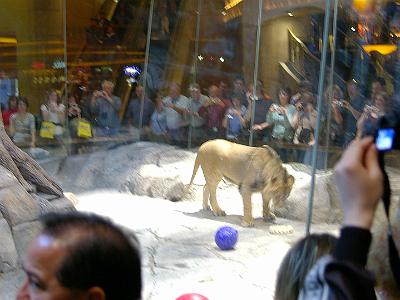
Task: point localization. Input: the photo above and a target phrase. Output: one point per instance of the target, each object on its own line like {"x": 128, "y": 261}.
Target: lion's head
{"x": 279, "y": 187}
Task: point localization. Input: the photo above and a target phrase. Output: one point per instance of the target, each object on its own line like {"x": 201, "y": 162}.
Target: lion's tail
{"x": 195, "y": 169}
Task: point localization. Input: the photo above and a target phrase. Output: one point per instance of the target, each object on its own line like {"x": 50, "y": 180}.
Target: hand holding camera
{"x": 299, "y": 106}
{"x": 101, "y": 94}
{"x": 346, "y": 104}
{"x": 338, "y": 103}
{"x": 360, "y": 182}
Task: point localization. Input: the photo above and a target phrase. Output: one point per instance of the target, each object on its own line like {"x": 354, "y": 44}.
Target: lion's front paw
{"x": 206, "y": 208}
{"x": 219, "y": 213}
{"x": 248, "y": 223}
{"x": 270, "y": 218}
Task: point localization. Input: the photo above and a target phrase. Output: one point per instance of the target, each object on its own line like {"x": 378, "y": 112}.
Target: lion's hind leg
{"x": 212, "y": 184}
{"x": 206, "y": 197}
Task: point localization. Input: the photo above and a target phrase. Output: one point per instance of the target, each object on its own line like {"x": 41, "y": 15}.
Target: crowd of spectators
{"x": 286, "y": 121}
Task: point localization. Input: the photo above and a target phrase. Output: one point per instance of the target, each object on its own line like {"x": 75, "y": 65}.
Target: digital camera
{"x": 387, "y": 132}
{"x": 338, "y": 103}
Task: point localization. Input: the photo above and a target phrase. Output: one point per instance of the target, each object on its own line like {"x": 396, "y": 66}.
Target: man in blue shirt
{"x": 5, "y": 90}
{"x": 134, "y": 108}
{"x": 105, "y": 107}
{"x": 351, "y": 111}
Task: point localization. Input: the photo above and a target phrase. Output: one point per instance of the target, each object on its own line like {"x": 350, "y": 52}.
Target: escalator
{"x": 352, "y": 61}
{"x": 305, "y": 65}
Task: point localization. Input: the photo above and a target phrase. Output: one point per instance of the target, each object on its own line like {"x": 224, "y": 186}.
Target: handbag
{"x": 47, "y": 130}
{"x": 84, "y": 129}
{"x": 305, "y": 136}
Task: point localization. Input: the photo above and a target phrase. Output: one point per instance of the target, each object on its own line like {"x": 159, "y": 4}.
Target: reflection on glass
{"x": 190, "y": 66}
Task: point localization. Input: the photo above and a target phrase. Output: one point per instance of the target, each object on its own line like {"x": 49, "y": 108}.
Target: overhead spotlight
{"x": 221, "y": 59}
{"x": 132, "y": 71}
{"x": 352, "y": 28}
{"x": 223, "y": 13}
{"x": 290, "y": 14}
{"x": 200, "y": 57}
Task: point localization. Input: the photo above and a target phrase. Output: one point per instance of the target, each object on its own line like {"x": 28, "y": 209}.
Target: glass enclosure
{"x": 96, "y": 73}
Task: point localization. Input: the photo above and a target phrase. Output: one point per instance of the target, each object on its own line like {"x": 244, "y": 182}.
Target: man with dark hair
{"x": 239, "y": 91}
{"x": 81, "y": 256}
{"x": 134, "y": 108}
{"x": 377, "y": 85}
{"x": 351, "y": 111}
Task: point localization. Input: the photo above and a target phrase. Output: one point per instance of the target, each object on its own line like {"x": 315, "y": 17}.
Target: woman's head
{"x": 259, "y": 88}
{"x": 284, "y": 95}
{"x": 337, "y": 93}
{"x": 381, "y": 100}
{"x": 12, "y": 102}
{"x": 23, "y": 104}
{"x": 236, "y": 101}
{"x": 298, "y": 261}
{"x": 159, "y": 100}
{"x": 71, "y": 100}
{"x": 52, "y": 97}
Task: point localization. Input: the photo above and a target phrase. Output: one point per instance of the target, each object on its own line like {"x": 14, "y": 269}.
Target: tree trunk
{"x": 24, "y": 167}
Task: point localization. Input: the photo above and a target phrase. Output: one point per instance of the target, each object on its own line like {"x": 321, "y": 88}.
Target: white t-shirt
{"x": 54, "y": 117}
{"x": 174, "y": 119}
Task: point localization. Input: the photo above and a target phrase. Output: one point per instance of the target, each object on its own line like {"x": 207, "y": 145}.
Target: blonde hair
{"x": 298, "y": 261}
{"x": 107, "y": 82}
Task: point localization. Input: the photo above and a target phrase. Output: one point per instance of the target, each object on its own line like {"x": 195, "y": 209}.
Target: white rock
{"x": 8, "y": 252}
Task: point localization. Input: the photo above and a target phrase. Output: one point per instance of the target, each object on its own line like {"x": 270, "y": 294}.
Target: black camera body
{"x": 385, "y": 130}
{"x": 387, "y": 136}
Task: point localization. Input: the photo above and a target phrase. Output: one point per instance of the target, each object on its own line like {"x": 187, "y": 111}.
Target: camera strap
{"x": 393, "y": 253}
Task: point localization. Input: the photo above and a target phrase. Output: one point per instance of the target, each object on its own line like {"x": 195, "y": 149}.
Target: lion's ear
{"x": 290, "y": 180}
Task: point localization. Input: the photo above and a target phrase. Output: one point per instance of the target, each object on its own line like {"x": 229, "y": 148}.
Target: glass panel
{"x": 182, "y": 72}
{"x": 33, "y": 67}
{"x": 222, "y": 70}
{"x": 366, "y": 59}
{"x": 106, "y": 53}
{"x": 290, "y": 60}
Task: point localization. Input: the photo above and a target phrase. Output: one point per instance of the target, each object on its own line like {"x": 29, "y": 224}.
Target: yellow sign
{"x": 84, "y": 129}
{"x": 47, "y": 130}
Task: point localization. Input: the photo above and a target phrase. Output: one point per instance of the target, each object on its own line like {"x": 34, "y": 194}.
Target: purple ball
{"x": 226, "y": 237}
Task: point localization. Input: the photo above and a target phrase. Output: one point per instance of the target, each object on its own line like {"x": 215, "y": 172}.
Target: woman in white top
{"x": 22, "y": 125}
{"x": 53, "y": 111}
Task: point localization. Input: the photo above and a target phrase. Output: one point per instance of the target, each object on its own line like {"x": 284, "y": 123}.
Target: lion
{"x": 253, "y": 169}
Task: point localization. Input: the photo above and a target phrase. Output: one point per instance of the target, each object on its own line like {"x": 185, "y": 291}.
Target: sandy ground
{"x": 179, "y": 252}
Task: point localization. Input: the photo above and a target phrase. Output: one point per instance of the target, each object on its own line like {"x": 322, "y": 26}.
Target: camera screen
{"x": 385, "y": 138}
